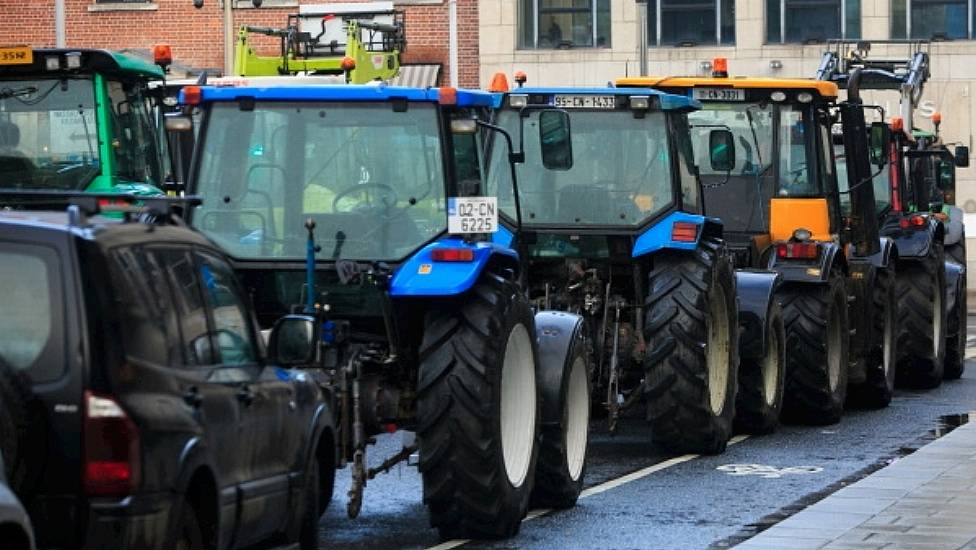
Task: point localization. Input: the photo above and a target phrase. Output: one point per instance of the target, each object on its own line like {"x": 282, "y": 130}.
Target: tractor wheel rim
{"x": 518, "y": 405}
{"x": 770, "y": 369}
{"x": 577, "y": 418}
{"x": 834, "y": 341}
{"x": 717, "y": 353}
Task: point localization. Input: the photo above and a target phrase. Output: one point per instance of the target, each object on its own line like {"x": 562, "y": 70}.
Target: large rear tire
{"x": 478, "y": 411}
{"x": 691, "y": 330}
{"x": 955, "y": 358}
{"x": 879, "y": 384}
{"x": 562, "y": 453}
{"x": 817, "y": 348}
{"x": 759, "y": 401}
{"x": 921, "y": 310}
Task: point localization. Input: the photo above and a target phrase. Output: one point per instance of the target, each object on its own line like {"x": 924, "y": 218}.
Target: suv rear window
{"x": 32, "y": 303}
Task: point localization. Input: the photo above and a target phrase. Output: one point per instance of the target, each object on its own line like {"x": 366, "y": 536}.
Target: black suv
{"x": 155, "y": 420}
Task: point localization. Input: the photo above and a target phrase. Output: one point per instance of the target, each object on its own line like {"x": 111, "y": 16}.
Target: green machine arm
{"x": 360, "y": 62}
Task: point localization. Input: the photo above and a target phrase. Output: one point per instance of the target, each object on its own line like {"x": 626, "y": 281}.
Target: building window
{"x": 812, "y": 21}
{"x": 563, "y": 24}
{"x": 690, "y": 22}
{"x": 932, "y": 19}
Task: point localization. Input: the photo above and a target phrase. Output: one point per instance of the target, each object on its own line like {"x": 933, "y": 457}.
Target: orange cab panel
{"x": 788, "y": 215}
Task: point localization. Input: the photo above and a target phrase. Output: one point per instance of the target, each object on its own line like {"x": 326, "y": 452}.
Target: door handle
{"x": 245, "y": 395}
{"x": 192, "y": 397}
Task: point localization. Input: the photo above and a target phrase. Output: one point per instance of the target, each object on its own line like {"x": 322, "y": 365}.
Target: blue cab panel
{"x": 350, "y": 92}
{"x": 421, "y": 275}
{"x": 503, "y": 237}
{"x": 658, "y": 236}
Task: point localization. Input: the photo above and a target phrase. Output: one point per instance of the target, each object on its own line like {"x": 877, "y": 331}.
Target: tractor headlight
{"x": 517, "y": 101}
{"x": 804, "y": 97}
{"x": 778, "y": 96}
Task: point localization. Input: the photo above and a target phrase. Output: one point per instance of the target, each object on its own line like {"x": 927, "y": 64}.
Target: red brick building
{"x": 196, "y": 35}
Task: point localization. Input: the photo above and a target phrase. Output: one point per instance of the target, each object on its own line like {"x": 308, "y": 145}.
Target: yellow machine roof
{"x": 824, "y": 88}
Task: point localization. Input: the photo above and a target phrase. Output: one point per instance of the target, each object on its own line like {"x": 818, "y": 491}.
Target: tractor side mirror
{"x": 721, "y": 147}
{"x": 555, "y": 140}
{"x": 878, "y": 143}
{"x": 947, "y": 176}
{"x": 294, "y": 341}
{"x": 961, "y": 156}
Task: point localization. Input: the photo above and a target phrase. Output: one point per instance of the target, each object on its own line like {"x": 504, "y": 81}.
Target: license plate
{"x": 586, "y": 101}
{"x": 472, "y": 215}
{"x": 719, "y": 94}
{"x": 16, "y": 55}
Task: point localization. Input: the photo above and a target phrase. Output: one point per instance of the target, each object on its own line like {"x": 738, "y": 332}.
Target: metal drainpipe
{"x": 453, "y": 38}
{"x": 642, "y": 36}
{"x": 60, "y": 35}
{"x": 228, "y": 37}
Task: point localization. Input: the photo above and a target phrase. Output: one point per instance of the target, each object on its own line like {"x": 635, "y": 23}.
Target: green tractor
{"x": 79, "y": 120}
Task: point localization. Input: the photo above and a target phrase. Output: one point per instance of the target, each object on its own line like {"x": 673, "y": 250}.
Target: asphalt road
{"x": 641, "y": 497}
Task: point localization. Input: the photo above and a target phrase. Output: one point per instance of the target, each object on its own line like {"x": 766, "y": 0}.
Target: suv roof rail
{"x": 81, "y": 205}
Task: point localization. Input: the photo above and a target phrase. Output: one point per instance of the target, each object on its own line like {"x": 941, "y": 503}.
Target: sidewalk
{"x": 925, "y": 500}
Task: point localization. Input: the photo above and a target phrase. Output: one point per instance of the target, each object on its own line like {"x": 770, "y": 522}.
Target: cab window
{"x": 796, "y": 142}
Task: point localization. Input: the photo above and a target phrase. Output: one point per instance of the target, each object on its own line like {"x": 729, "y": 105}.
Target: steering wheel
{"x": 359, "y": 188}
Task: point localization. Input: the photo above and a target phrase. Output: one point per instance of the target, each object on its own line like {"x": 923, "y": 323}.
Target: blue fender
{"x": 954, "y": 274}
{"x": 556, "y": 335}
{"x": 658, "y": 236}
{"x": 755, "y": 291}
{"x": 422, "y": 276}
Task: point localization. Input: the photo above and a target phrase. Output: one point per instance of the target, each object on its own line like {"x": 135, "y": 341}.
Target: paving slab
{"x": 924, "y": 500}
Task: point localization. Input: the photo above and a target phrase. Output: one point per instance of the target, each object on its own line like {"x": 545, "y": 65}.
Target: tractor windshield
{"x": 48, "y": 137}
{"x": 370, "y": 177}
{"x": 880, "y": 182}
{"x": 622, "y": 173}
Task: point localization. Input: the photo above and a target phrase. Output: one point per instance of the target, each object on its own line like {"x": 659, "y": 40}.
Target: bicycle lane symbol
{"x": 767, "y": 472}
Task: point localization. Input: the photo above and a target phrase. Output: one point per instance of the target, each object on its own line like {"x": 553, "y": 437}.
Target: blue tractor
{"x": 359, "y": 210}
{"x": 617, "y": 235}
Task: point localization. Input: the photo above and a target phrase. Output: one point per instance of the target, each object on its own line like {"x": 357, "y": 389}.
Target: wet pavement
{"x": 641, "y": 497}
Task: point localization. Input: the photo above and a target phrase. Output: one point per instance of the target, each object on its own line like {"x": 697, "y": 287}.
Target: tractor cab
{"x": 78, "y": 120}
{"x": 774, "y": 135}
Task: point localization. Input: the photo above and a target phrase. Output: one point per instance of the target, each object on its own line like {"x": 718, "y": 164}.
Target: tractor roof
{"x": 101, "y": 61}
{"x": 823, "y": 88}
{"x": 669, "y": 102}
{"x": 350, "y": 92}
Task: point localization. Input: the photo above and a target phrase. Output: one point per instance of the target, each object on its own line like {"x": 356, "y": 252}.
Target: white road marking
{"x": 766, "y": 472}
{"x": 597, "y": 489}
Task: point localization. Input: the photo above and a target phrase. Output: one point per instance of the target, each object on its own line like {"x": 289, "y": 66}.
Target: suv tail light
{"x": 112, "y": 456}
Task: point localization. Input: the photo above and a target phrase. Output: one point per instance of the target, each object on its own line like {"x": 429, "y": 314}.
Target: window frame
{"x": 842, "y": 6}
{"x": 718, "y": 26}
{"x": 907, "y": 23}
{"x": 537, "y": 11}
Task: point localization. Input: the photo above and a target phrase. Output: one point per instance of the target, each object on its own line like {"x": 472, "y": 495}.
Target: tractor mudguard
{"x": 914, "y": 243}
{"x": 421, "y": 275}
{"x": 754, "y": 290}
{"x": 807, "y": 272}
{"x": 883, "y": 258}
{"x": 555, "y": 332}
{"x": 661, "y": 234}
{"x": 953, "y": 272}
